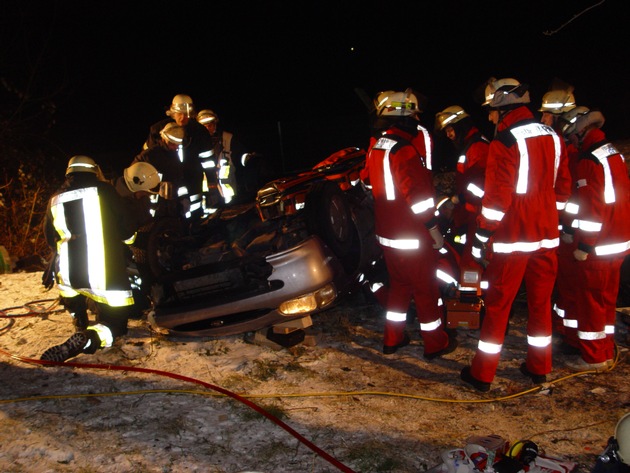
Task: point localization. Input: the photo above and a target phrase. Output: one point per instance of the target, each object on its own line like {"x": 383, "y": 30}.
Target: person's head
{"x": 447, "y": 119}
{"x": 82, "y": 164}
{"x": 181, "y": 110}
{"x": 503, "y": 95}
{"x": 554, "y": 104}
{"x": 142, "y": 177}
{"x": 578, "y": 121}
{"x": 172, "y": 135}
{"x": 208, "y": 119}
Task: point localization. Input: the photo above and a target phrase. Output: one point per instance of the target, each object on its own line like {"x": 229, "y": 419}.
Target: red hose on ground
{"x": 219, "y": 389}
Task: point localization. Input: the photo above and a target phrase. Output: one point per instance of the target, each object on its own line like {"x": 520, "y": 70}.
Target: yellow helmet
{"x": 557, "y": 102}
{"x": 449, "y": 116}
{"x": 141, "y": 176}
{"x": 181, "y": 104}
{"x": 207, "y": 116}
{"x": 173, "y": 133}
{"x": 82, "y": 164}
{"x": 397, "y": 104}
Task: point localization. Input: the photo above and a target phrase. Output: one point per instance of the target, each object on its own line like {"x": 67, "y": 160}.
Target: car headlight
{"x": 309, "y": 302}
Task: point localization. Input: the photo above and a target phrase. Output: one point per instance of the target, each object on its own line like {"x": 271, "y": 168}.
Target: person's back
{"x": 527, "y": 181}
{"x": 521, "y": 175}
{"x": 85, "y": 225}
{"x": 398, "y": 172}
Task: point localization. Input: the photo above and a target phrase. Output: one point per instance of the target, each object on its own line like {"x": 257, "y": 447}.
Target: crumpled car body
{"x": 304, "y": 242}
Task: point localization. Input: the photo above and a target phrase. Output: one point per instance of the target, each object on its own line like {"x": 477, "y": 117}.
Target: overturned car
{"x": 302, "y": 244}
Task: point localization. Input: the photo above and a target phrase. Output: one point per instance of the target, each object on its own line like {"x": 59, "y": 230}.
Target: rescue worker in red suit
{"x": 398, "y": 172}
{"x": 472, "y": 147}
{"x": 527, "y": 179}
{"x": 554, "y": 103}
{"x": 600, "y": 233}
{"x": 85, "y": 225}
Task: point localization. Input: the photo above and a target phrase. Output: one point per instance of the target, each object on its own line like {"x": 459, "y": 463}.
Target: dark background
{"x": 284, "y": 76}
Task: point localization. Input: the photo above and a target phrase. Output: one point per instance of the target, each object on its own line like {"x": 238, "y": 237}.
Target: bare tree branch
{"x": 552, "y": 32}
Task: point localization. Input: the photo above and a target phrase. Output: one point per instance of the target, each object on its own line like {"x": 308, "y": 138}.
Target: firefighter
{"x": 229, "y": 163}
{"x": 555, "y": 103}
{"x": 398, "y": 172}
{"x": 85, "y": 225}
{"x": 527, "y": 179}
{"x": 195, "y": 144}
{"x": 472, "y": 147}
{"x": 138, "y": 183}
{"x": 164, "y": 156}
{"x": 600, "y": 236}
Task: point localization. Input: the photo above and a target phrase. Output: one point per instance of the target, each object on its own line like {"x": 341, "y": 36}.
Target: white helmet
{"x": 622, "y": 434}
{"x": 141, "y": 176}
{"x": 397, "y": 104}
{"x": 82, "y": 164}
{"x": 181, "y": 104}
{"x": 207, "y": 116}
{"x": 503, "y": 93}
{"x": 173, "y": 133}
{"x": 577, "y": 119}
{"x": 449, "y": 116}
{"x": 557, "y": 102}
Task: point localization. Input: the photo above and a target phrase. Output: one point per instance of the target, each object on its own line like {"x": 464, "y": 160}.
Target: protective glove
{"x": 567, "y": 238}
{"x": 48, "y": 278}
{"x": 479, "y": 250}
{"x": 437, "y": 236}
{"x": 580, "y": 255}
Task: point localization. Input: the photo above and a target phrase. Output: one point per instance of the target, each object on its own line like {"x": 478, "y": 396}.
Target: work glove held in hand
{"x": 437, "y": 236}
{"x": 567, "y": 238}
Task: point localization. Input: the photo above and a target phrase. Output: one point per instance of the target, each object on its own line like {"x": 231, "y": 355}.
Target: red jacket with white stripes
{"x": 398, "y": 171}
{"x": 471, "y": 170}
{"x": 603, "y": 198}
{"x": 527, "y": 180}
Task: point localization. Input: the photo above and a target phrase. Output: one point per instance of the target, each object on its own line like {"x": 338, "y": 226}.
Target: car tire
{"x": 328, "y": 216}
{"x": 152, "y": 250}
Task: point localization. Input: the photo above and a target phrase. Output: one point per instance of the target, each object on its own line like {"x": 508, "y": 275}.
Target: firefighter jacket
{"x": 196, "y": 143}
{"x": 398, "y": 171}
{"x": 527, "y": 182}
{"x": 86, "y": 223}
{"x": 471, "y": 173}
{"x": 602, "y": 198}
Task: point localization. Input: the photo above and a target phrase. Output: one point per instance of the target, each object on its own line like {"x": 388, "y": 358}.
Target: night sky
{"x": 283, "y": 76}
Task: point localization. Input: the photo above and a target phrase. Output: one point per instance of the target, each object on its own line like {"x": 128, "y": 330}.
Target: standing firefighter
{"x": 599, "y": 235}
{"x": 527, "y": 180}
{"x": 398, "y": 171}
{"x": 86, "y": 224}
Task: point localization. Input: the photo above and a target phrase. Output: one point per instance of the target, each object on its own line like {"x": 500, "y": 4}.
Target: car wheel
{"x": 154, "y": 250}
{"x": 328, "y": 215}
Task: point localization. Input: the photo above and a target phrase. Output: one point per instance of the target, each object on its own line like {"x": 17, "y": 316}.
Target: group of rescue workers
{"x": 187, "y": 160}
{"x": 542, "y": 204}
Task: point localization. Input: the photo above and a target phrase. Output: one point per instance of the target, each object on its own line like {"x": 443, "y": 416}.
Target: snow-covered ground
{"x": 152, "y": 404}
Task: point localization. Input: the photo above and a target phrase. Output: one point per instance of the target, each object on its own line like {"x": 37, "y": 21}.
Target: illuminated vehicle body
{"x": 302, "y": 244}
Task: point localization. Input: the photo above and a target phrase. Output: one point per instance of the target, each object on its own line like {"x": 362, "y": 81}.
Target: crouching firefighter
{"x": 86, "y": 224}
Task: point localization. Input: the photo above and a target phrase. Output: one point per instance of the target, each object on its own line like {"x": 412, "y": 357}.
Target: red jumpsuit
{"x": 602, "y": 231}
{"x": 564, "y": 320}
{"x": 527, "y": 177}
{"x": 469, "y": 182}
{"x": 398, "y": 170}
